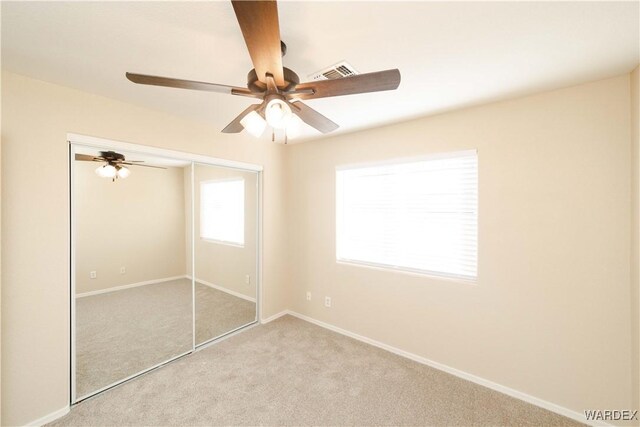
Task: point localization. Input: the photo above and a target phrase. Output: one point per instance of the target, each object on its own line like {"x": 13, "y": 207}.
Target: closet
{"x": 165, "y": 257}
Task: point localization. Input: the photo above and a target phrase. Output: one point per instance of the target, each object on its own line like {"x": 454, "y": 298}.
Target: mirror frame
{"x": 78, "y": 140}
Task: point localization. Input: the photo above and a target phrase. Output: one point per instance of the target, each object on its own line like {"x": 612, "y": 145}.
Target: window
{"x": 419, "y": 216}
{"x": 222, "y": 211}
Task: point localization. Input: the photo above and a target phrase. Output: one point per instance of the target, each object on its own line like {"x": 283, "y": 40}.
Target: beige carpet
{"x": 121, "y": 333}
{"x": 218, "y": 312}
{"x": 290, "y": 372}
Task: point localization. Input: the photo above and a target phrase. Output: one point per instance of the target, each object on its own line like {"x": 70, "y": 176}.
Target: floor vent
{"x": 337, "y": 71}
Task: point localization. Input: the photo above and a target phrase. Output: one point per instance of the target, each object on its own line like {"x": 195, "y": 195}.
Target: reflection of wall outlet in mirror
{"x": 327, "y": 301}
{"x": 93, "y": 275}
{"x": 308, "y": 296}
{"x": 123, "y": 270}
{"x": 247, "y": 279}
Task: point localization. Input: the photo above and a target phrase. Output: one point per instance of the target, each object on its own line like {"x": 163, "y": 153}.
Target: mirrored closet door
{"x": 225, "y": 250}
{"x": 164, "y": 259}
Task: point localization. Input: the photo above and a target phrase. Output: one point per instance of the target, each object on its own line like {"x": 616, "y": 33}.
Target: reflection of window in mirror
{"x": 222, "y": 211}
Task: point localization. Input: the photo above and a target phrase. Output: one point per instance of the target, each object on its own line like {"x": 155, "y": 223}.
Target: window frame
{"x": 220, "y": 241}
{"x": 395, "y": 268}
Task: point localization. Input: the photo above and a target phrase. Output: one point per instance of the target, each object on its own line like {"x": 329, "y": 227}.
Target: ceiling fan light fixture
{"x": 294, "y": 127}
{"x": 277, "y": 86}
{"x": 106, "y": 171}
{"x": 278, "y": 113}
{"x": 123, "y": 172}
{"x": 254, "y": 124}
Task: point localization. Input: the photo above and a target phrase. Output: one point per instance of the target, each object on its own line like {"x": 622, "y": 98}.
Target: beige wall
{"x": 36, "y": 117}
{"x": 550, "y": 313}
{"x": 137, "y": 223}
{"x": 0, "y": 235}
{"x": 635, "y": 235}
{"x": 220, "y": 264}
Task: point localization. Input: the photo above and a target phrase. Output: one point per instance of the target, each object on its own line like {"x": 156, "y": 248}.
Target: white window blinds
{"x": 417, "y": 216}
{"x": 222, "y": 211}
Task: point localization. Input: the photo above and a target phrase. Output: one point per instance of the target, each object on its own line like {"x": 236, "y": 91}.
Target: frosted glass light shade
{"x": 278, "y": 113}
{"x": 106, "y": 171}
{"x": 294, "y": 127}
{"x": 123, "y": 172}
{"x": 253, "y": 123}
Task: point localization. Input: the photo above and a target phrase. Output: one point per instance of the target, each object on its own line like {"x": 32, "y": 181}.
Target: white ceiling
{"x": 450, "y": 54}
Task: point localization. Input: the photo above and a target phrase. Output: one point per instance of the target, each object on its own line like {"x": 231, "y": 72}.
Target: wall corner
{"x": 635, "y": 236}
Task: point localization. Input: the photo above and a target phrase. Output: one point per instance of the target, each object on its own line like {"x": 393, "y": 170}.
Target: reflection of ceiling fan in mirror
{"x": 114, "y": 164}
{"x": 278, "y": 88}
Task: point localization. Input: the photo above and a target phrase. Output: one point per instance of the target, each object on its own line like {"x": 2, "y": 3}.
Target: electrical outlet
{"x": 327, "y": 301}
{"x": 123, "y": 270}
{"x": 247, "y": 279}
{"x": 93, "y": 274}
{"x": 308, "y": 296}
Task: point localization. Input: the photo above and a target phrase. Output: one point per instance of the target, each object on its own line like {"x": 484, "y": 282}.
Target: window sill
{"x": 411, "y": 272}
{"x": 222, "y": 242}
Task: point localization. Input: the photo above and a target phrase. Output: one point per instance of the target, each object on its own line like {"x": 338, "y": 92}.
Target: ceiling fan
{"x": 278, "y": 88}
{"x": 114, "y": 164}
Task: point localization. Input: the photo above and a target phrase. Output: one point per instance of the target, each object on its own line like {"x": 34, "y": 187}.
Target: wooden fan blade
{"x": 313, "y": 118}
{"x": 235, "y": 126}
{"x": 138, "y": 164}
{"x": 88, "y": 158}
{"x": 145, "y": 79}
{"x": 259, "y": 25}
{"x": 362, "y": 83}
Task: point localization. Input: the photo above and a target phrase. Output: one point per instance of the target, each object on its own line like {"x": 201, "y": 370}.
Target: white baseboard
{"x": 453, "y": 371}
{"x": 132, "y": 285}
{"x": 49, "y": 418}
{"x": 223, "y": 289}
{"x": 264, "y": 321}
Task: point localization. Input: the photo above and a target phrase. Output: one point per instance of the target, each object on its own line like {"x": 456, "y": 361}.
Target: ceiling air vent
{"x": 337, "y": 71}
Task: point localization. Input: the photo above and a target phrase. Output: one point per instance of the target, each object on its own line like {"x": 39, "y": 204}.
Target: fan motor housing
{"x": 111, "y": 155}
{"x": 291, "y": 79}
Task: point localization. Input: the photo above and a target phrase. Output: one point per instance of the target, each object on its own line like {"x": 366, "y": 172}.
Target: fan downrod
{"x": 291, "y": 79}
